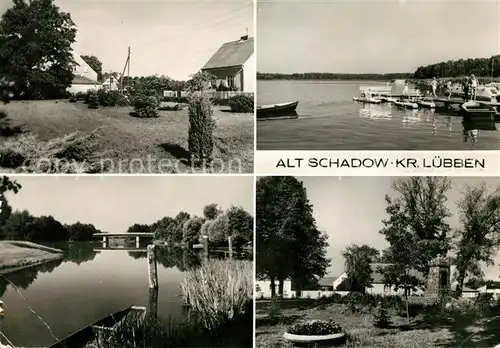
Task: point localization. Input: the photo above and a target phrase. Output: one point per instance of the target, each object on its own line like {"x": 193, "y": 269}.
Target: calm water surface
{"x": 330, "y": 120}
{"x": 85, "y": 286}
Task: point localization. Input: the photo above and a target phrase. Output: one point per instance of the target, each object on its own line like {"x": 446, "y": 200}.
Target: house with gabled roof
{"x": 84, "y": 77}
{"x": 234, "y": 65}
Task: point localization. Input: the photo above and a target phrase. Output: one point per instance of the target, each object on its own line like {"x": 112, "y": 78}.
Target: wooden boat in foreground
{"x": 107, "y": 324}
{"x": 406, "y": 104}
{"x": 277, "y": 111}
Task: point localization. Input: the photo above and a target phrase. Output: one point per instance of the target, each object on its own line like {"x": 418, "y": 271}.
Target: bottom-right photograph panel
{"x": 377, "y": 262}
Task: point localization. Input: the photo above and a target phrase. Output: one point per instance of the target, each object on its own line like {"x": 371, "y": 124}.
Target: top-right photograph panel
{"x": 378, "y": 75}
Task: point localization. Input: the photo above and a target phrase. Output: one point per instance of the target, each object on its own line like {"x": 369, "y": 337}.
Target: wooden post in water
{"x": 152, "y": 269}
{"x": 205, "y": 248}
{"x": 230, "y": 244}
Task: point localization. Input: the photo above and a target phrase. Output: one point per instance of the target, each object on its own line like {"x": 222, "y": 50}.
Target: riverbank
{"x": 16, "y": 255}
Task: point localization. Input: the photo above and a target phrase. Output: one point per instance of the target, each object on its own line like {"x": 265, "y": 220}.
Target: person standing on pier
{"x": 466, "y": 88}
{"x": 434, "y": 85}
{"x": 473, "y": 86}
{"x": 405, "y": 90}
{"x": 449, "y": 89}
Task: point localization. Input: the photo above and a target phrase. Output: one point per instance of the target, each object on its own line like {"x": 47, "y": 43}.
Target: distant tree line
{"x": 332, "y": 76}
{"x": 22, "y": 225}
{"x": 461, "y": 67}
{"x": 452, "y": 68}
{"x": 217, "y": 224}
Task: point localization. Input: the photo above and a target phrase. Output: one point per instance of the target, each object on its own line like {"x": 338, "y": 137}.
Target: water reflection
{"x": 439, "y": 123}
{"x": 375, "y": 111}
{"x": 77, "y": 253}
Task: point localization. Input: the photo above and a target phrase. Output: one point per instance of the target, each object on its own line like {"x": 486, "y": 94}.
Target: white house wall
{"x": 339, "y": 280}
{"x": 83, "y": 69}
{"x": 249, "y": 75}
{"x": 381, "y": 289}
{"x": 81, "y": 88}
{"x": 265, "y": 289}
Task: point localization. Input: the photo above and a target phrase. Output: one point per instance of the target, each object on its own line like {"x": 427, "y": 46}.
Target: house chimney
{"x": 244, "y": 38}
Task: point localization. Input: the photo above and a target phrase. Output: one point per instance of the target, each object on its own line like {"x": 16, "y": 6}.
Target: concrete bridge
{"x": 137, "y": 235}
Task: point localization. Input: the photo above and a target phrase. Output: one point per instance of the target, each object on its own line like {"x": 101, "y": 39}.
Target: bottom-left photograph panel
{"x": 126, "y": 261}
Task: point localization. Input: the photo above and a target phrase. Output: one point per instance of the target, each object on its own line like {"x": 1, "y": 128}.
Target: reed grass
{"x": 219, "y": 291}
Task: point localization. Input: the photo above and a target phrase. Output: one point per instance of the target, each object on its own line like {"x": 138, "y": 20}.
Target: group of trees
{"x": 217, "y": 224}
{"x": 417, "y": 230}
{"x": 36, "y": 58}
{"x": 290, "y": 245}
{"x": 21, "y": 225}
{"x": 461, "y": 67}
{"x": 332, "y": 76}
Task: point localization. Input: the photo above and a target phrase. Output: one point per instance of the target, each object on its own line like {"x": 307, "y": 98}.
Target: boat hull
{"x": 277, "y": 111}
{"x": 87, "y": 334}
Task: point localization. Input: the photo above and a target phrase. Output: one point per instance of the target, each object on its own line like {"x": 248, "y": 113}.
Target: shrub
{"x": 242, "y": 103}
{"x": 107, "y": 98}
{"x": 315, "y": 327}
{"x": 219, "y": 291}
{"x": 201, "y": 128}
{"x": 72, "y": 99}
{"x": 93, "y": 99}
{"x": 146, "y": 105}
{"x": 381, "y": 319}
{"x": 6, "y": 129}
{"x": 80, "y": 96}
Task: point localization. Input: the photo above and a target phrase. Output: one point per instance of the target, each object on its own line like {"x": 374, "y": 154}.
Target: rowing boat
{"x": 367, "y": 100}
{"x": 426, "y": 104}
{"x": 94, "y": 331}
{"x": 277, "y": 111}
{"x": 406, "y": 105}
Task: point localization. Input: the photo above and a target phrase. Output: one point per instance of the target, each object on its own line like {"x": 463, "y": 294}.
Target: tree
{"x": 191, "y": 230}
{"x": 201, "y": 81}
{"x": 47, "y": 229}
{"x": 420, "y": 209}
{"x": 478, "y": 237}
{"x": 240, "y": 225}
{"x": 95, "y": 64}
{"x": 81, "y": 232}
{"x": 218, "y": 230}
{"x": 139, "y": 228}
{"x": 35, "y": 49}
{"x": 357, "y": 262}
{"x": 289, "y": 243}
{"x": 211, "y": 211}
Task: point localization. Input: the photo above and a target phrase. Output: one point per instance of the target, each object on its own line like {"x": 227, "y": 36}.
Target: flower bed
{"x": 314, "y": 331}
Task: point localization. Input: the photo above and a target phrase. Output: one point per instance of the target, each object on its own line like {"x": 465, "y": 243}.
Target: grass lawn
{"x": 418, "y": 332}
{"x": 19, "y": 254}
{"x": 139, "y": 145}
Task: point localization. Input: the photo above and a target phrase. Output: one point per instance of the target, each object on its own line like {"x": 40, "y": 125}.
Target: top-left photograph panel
{"x": 127, "y": 87}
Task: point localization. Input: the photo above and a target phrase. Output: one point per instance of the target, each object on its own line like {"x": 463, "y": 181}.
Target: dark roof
{"x": 327, "y": 281}
{"x": 82, "y": 80}
{"x": 378, "y": 278}
{"x": 232, "y": 53}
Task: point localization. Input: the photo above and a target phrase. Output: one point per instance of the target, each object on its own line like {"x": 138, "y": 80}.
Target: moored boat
{"x": 367, "y": 100}
{"x": 406, "y": 104}
{"x": 277, "y": 111}
{"x": 475, "y": 108}
{"x": 426, "y": 104}
{"x": 107, "y": 324}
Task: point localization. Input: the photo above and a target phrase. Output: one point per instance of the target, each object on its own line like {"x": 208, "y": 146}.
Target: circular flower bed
{"x": 314, "y": 331}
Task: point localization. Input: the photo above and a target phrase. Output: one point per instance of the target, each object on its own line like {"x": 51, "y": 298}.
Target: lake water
{"x": 86, "y": 286}
{"x": 330, "y": 120}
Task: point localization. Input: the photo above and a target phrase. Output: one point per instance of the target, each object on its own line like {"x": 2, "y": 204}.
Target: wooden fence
{"x": 222, "y": 95}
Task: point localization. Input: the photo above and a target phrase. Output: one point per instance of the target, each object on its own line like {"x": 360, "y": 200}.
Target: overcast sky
{"x": 350, "y": 210}
{"x": 112, "y": 204}
{"x": 372, "y": 36}
{"x": 174, "y": 38}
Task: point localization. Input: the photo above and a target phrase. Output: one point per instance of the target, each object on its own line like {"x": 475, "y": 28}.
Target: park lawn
{"x": 19, "y": 254}
{"x": 125, "y": 138}
{"x": 403, "y": 333}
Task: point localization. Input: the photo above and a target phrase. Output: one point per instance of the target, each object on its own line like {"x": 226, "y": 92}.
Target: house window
{"x": 257, "y": 288}
{"x": 387, "y": 288}
{"x": 230, "y": 81}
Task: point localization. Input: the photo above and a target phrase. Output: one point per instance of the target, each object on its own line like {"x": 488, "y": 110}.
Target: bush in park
{"x": 381, "y": 319}
{"x": 92, "y": 99}
{"x": 241, "y": 103}
{"x": 201, "y": 127}
{"x": 146, "y": 105}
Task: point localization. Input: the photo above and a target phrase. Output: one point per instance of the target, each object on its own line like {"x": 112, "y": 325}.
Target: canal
{"x": 50, "y": 301}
